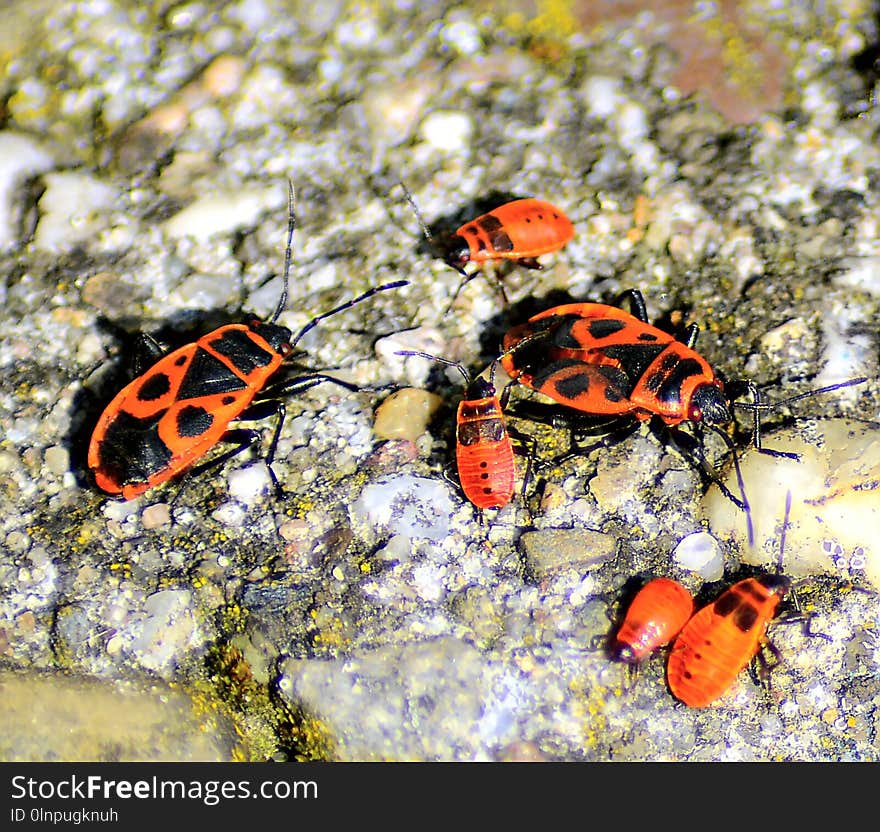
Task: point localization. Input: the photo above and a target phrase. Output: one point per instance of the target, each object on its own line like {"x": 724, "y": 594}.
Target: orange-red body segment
{"x": 721, "y": 639}
{"x": 484, "y": 453}
{"x": 602, "y": 360}
{"x": 656, "y": 615}
{"x": 157, "y": 426}
{"x": 524, "y": 228}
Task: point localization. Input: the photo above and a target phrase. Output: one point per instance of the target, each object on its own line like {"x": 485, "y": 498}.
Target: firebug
{"x": 606, "y": 362}
{"x": 520, "y": 231}
{"x": 174, "y": 413}
{"x": 654, "y": 617}
{"x": 723, "y": 638}
{"x": 483, "y": 451}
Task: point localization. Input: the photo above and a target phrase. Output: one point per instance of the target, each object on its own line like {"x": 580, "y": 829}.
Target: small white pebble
{"x": 700, "y": 552}
{"x": 250, "y": 483}
{"x": 156, "y": 516}
{"x": 448, "y": 131}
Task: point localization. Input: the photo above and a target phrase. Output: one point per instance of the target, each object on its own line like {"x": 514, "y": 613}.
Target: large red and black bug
{"x": 520, "y": 231}
{"x": 172, "y": 414}
{"x": 603, "y": 361}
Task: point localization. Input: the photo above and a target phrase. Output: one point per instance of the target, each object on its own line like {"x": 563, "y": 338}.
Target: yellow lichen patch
{"x": 590, "y": 705}
{"x": 270, "y": 728}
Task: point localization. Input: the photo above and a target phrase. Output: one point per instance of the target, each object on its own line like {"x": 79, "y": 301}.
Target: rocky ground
{"x": 723, "y": 161}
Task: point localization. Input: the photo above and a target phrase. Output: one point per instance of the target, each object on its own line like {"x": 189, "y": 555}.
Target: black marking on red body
{"x": 207, "y": 375}
{"x": 131, "y": 450}
{"x": 193, "y": 420}
{"x": 154, "y": 387}
{"x": 634, "y": 359}
{"x": 670, "y": 391}
{"x": 501, "y": 241}
{"x": 245, "y": 354}
{"x": 619, "y": 387}
{"x": 726, "y": 604}
{"x": 479, "y": 388}
{"x": 744, "y": 617}
{"x": 489, "y": 223}
{"x": 484, "y": 430}
{"x": 574, "y": 385}
{"x": 600, "y": 328}
{"x": 751, "y": 590}
{"x": 543, "y": 373}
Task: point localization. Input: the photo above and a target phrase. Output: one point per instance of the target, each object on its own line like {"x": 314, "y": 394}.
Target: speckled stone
{"x": 53, "y": 717}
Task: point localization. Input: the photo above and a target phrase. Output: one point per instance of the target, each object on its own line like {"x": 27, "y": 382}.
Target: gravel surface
{"x": 725, "y": 163}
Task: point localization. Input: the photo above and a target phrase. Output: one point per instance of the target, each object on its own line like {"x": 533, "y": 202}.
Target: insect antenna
{"x": 782, "y": 532}
{"x": 465, "y": 374}
{"x": 396, "y": 284}
{"x": 758, "y": 406}
{"x": 436, "y": 248}
{"x": 744, "y": 503}
{"x": 288, "y": 252}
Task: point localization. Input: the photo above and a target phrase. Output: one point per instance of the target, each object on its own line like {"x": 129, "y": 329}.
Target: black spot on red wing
{"x": 154, "y": 387}
{"x": 572, "y": 385}
{"x": 228, "y": 399}
{"x": 501, "y": 241}
{"x": 647, "y": 336}
{"x": 603, "y": 327}
{"x": 207, "y": 375}
{"x": 193, "y": 421}
{"x": 562, "y": 332}
{"x": 131, "y": 450}
{"x": 245, "y": 354}
{"x": 489, "y": 223}
{"x": 745, "y": 617}
{"x": 180, "y": 360}
{"x": 618, "y": 387}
